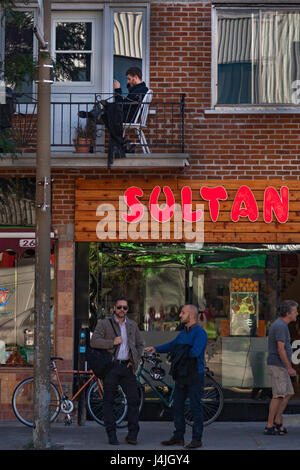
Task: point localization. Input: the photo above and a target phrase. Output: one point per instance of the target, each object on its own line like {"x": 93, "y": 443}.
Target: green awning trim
{"x": 255, "y": 260}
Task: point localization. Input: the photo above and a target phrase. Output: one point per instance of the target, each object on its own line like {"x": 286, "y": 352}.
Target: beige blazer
{"x": 104, "y": 335}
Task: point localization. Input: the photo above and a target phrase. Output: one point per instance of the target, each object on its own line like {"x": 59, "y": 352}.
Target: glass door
{"x": 76, "y": 50}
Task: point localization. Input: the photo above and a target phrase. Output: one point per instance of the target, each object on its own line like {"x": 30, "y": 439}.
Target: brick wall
{"x": 259, "y": 146}
{"x": 231, "y": 146}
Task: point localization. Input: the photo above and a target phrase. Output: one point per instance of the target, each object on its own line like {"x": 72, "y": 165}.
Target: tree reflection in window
{"x": 19, "y": 66}
{"x": 73, "y": 45}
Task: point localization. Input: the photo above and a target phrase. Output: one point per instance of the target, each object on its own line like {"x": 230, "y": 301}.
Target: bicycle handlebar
{"x": 152, "y": 358}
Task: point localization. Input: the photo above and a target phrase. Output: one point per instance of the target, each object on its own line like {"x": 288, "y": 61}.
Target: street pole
{"x": 42, "y": 341}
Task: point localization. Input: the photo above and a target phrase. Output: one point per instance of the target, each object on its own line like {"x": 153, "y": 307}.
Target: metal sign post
{"x": 42, "y": 341}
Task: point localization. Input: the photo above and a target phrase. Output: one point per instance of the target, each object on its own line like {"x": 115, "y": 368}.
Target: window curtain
{"x": 235, "y": 55}
{"x": 258, "y": 57}
{"x": 280, "y": 56}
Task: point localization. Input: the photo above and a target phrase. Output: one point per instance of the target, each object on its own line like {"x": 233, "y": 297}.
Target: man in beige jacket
{"x": 127, "y": 348}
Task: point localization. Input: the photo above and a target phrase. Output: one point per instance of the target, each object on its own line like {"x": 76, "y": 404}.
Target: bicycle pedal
{"x": 68, "y": 421}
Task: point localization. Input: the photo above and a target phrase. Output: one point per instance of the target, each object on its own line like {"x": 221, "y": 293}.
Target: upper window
{"x": 128, "y": 43}
{"x": 73, "y": 50}
{"x": 258, "y": 56}
{"x": 19, "y": 50}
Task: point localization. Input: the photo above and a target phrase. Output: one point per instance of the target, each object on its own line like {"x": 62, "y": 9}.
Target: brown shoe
{"x": 131, "y": 441}
{"x": 173, "y": 442}
{"x": 194, "y": 444}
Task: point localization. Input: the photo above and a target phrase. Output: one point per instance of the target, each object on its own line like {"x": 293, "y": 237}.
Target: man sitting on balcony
{"x": 130, "y": 104}
{"x": 136, "y": 92}
{"x": 124, "y": 109}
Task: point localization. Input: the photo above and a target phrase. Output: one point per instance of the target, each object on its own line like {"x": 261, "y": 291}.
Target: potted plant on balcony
{"x": 84, "y": 139}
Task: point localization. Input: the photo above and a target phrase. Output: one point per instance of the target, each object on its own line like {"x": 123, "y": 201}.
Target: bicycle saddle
{"x": 56, "y": 359}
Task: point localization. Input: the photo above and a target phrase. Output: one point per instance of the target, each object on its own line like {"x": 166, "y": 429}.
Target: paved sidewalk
{"x": 91, "y": 436}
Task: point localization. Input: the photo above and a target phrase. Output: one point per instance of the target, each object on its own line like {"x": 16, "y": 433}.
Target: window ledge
{"x": 254, "y": 110}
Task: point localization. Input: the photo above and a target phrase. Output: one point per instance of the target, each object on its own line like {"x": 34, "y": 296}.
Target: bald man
{"x": 194, "y": 336}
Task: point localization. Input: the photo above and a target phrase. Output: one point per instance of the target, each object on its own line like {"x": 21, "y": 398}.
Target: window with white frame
{"x": 257, "y": 56}
{"x": 19, "y": 50}
{"x": 73, "y": 50}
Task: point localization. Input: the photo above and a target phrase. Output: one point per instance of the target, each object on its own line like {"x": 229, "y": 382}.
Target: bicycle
{"x": 212, "y": 399}
{"x": 23, "y": 397}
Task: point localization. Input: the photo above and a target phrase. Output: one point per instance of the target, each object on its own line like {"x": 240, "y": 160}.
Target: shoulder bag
{"x": 100, "y": 361}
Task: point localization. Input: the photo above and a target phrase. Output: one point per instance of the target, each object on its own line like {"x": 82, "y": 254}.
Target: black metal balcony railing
{"x": 164, "y": 130}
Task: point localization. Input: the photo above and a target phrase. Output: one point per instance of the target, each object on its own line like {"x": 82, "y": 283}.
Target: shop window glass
{"x": 158, "y": 281}
{"x": 153, "y": 283}
{"x": 289, "y": 289}
{"x": 17, "y": 308}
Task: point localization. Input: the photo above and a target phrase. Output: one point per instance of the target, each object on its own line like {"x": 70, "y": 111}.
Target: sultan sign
{"x": 188, "y": 210}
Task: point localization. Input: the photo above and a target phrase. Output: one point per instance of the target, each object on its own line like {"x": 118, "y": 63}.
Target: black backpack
{"x": 100, "y": 361}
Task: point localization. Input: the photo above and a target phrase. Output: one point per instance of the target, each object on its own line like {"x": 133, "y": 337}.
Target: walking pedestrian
{"x": 279, "y": 366}
{"x": 129, "y": 348}
{"x": 188, "y": 375}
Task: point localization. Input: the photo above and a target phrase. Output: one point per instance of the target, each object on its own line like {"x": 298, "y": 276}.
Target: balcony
{"x": 163, "y": 144}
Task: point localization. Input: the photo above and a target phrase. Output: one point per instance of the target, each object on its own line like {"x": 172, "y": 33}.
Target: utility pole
{"x": 42, "y": 341}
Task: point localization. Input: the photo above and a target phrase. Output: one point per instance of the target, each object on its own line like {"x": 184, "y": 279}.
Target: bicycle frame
{"x": 76, "y": 372}
{"x": 140, "y": 374}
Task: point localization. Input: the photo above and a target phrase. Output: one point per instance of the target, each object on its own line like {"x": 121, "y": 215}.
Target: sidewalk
{"x": 91, "y": 436}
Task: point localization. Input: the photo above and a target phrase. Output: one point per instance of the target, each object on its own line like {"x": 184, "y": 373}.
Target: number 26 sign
{"x": 27, "y": 242}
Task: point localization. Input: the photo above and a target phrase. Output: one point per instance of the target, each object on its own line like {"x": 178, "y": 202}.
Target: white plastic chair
{"x": 139, "y": 122}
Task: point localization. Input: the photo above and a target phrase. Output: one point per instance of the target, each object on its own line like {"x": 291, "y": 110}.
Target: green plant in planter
{"x": 85, "y": 136}
{"x": 82, "y": 139}
{"x": 80, "y": 132}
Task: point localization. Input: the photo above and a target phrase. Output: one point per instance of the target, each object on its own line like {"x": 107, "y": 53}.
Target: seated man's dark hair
{"x": 132, "y": 71}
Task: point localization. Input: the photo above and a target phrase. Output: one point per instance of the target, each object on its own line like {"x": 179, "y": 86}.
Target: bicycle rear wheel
{"x": 212, "y": 403}
{"x": 95, "y": 403}
{"x": 23, "y": 400}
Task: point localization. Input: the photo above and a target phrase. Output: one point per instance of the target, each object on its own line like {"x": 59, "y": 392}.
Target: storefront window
{"x": 17, "y": 308}
{"x": 154, "y": 284}
{"x": 237, "y": 289}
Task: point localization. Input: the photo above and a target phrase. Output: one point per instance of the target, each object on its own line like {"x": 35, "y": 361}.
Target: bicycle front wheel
{"x": 23, "y": 400}
{"x": 212, "y": 403}
{"x": 95, "y": 403}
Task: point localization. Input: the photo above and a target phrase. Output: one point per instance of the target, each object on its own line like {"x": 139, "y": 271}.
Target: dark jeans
{"x": 121, "y": 375}
{"x": 194, "y": 392}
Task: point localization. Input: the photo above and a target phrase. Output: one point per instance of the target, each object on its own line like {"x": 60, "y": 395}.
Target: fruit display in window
{"x": 243, "y": 284}
{"x": 243, "y": 302}
{"x": 243, "y": 313}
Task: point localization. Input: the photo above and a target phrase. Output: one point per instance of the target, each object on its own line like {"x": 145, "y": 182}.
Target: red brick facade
{"x": 256, "y": 146}
{"x": 220, "y": 146}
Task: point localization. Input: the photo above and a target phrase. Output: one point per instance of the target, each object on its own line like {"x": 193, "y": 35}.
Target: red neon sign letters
{"x": 244, "y": 205}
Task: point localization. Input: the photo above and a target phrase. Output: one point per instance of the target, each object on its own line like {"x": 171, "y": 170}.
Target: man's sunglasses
{"x": 124, "y": 307}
